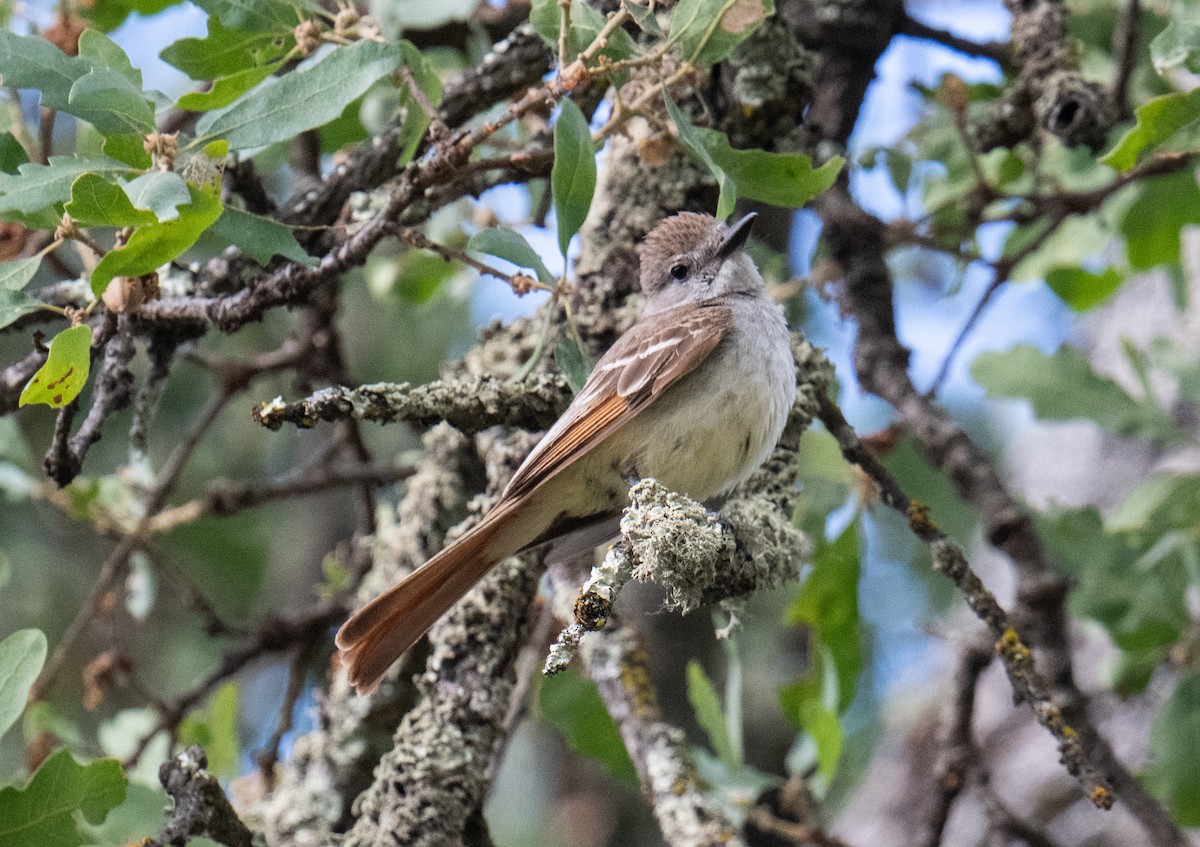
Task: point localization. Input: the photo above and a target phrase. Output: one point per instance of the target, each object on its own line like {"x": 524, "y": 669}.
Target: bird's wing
{"x": 631, "y": 375}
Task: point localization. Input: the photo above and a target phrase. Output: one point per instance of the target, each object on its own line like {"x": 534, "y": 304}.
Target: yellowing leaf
{"x": 65, "y": 372}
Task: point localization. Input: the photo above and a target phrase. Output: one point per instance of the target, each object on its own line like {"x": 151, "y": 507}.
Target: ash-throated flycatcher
{"x": 695, "y": 395}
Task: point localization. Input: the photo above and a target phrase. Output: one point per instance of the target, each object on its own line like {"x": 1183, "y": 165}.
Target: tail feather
{"x": 373, "y": 638}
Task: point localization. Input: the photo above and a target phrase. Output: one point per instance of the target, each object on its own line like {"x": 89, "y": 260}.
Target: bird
{"x": 695, "y": 395}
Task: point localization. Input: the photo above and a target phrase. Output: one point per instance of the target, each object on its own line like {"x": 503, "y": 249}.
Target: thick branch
{"x": 333, "y": 763}
{"x": 1049, "y": 92}
{"x": 430, "y": 787}
{"x": 618, "y": 664}
{"x": 200, "y": 807}
{"x": 468, "y": 405}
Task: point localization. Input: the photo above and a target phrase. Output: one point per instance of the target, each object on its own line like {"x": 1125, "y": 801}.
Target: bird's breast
{"x": 715, "y": 426}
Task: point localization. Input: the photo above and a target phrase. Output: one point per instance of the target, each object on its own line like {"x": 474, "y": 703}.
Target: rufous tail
{"x": 375, "y": 636}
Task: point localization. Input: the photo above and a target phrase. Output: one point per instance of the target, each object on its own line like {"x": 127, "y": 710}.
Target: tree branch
{"x": 948, "y": 557}
{"x": 468, "y": 405}
{"x": 997, "y": 51}
{"x": 200, "y": 807}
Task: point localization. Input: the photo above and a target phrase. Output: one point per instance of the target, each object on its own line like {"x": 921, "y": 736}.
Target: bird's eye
{"x": 679, "y": 271}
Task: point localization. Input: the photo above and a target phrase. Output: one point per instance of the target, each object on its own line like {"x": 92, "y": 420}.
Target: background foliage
{"x": 330, "y": 195}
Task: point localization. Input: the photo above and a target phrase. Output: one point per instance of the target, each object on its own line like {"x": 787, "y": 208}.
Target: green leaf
{"x": 1161, "y": 502}
{"x": 12, "y": 154}
{"x": 109, "y": 102}
{"x": 161, "y": 193}
{"x": 153, "y": 246}
{"x": 512, "y": 247}
{"x": 1171, "y": 118}
{"x": 572, "y": 705}
{"x": 33, "y": 62}
{"x": 689, "y": 136}
{"x": 225, "y": 52}
{"x": 414, "y": 276}
{"x": 899, "y": 166}
{"x": 573, "y": 177}
{"x": 278, "y": 16}
{"x": 35, "y": 187}
{"x": 102, "y": 52}
{"x": 16, "y": 275}
{"x": 828, "y": 604}
{"x": 15, "y": 305}
{"x": 44, "y": 813}
{"x": 398, "y": 15}
{"x": 119, "y": 736}
{"x": 1152, "y": 222}
{"x": 215, "y": 729}
{"x": 313, "y": 94}
{"x": 128, "y": 148}
{"x": 1082, "y": 289}
{"x": 1174, "y": 774}
{"x": 100, "y": 85}
{"x": 43, "y": 717}
{"x": 571, "y": 361}
{"x": 1177, "y": 46}
{"x": 1064, "y": 387}
{"x": 97, "y": 202}
{"x": 348, "y": 127}
{"x": 709, "y": 30}
{"x": 646, "y": 19}
{"x": 260, "y": 238}
{"x": 22, "y": 655}
{"x": 140, "y": 813}
{"x": 706, "y": 705}
{"x": 224, "y": 90}
{"x": 65, "y": 372}
{"x": 1139, "y": 600}
{"x": 826, "y": 731}
{"x": 781, "y": 179}
{"x": 1133, "y": 672}
{"x": 586, "y": 23}
{"x": 1075, "y": 241}
{"x": 110, "y": 14}
{"x": 807, "y": 704}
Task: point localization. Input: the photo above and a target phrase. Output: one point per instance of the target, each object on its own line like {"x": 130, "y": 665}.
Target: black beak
{"x": 737, "y": 236}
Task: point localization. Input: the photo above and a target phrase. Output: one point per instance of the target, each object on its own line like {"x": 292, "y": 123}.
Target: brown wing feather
{"x": 635, "y": 370}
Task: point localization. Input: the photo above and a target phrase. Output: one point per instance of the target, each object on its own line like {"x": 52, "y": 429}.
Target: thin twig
{"x": 955, "y": 741}
{"x": 225, "y": 498}
{"x": 1000, "y": 274}
{"x": 564, "y": 31}
{"x": 113, "y": 569}
{"x": 997, "y": 51}
{"x": 438, "y": 130}
{"x": 272, "y": 635}
{"x": 520, "y": 283}
{"x": 268, "y": 756}
{"x": 1125, "y": 42}
{"x": 1028, "y": 685}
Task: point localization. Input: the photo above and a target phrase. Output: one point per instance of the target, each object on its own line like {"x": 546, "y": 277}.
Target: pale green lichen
{"x": 674, "y": 542}
{"x": 771, "y": 548}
